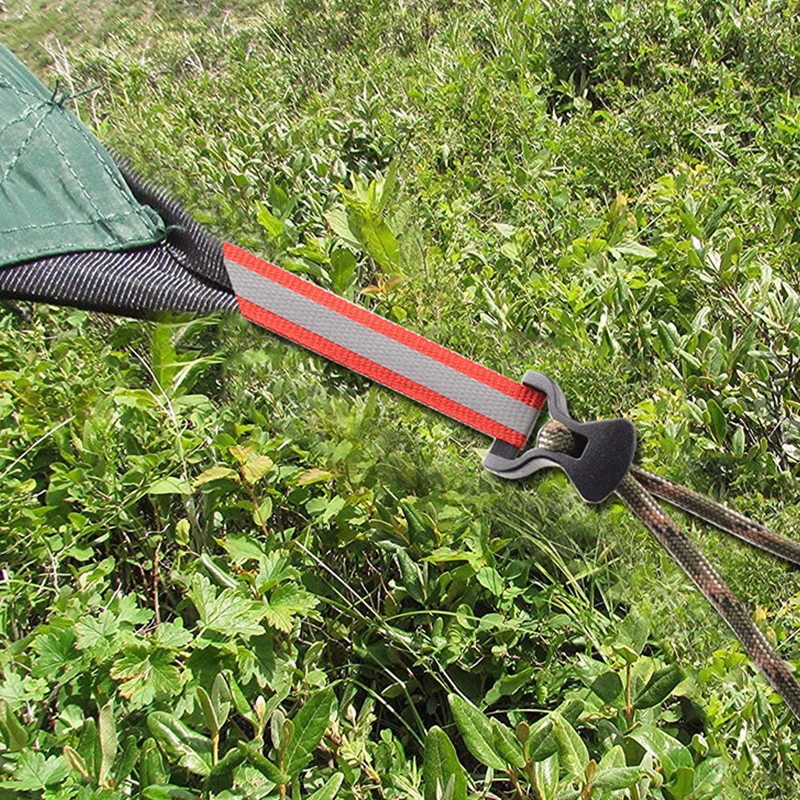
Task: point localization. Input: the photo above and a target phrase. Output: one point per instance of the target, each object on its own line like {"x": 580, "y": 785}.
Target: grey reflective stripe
{"x": 382, "y": 350}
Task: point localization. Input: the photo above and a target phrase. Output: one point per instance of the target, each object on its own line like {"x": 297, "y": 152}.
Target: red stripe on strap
{"x": 376, "y": 372}
{"x": 383, "y": 326}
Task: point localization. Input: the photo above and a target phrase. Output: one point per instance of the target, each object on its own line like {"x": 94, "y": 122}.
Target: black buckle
{"x": 607, "y": 451}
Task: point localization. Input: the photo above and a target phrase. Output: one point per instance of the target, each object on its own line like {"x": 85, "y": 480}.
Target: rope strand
{"x": 635, "y": 492}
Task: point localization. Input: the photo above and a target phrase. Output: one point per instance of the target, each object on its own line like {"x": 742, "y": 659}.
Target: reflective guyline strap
{"x": 364, "y": 342}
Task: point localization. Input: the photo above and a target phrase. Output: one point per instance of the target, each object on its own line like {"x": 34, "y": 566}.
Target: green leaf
{"x": 476, "y": 730}
{"x": 441, "y": 770}
{"x": 209, "y": 713}
{"x": 170, "y": 485}
{"x": 572, "y": 752}
{"x": 681, "y": 786}
{"x": 507, "y": 744}
{"x": 227, "y": 612}
{"x": 716, "y": 420}
{"x": 338, "y": 220}
{"x": 732, "y": 252}
{"x": 608, "y": 686}
{"x": 709, "y": 775}
{"x": 127, "y": 760}
{"x": 541, "y": 742}
{"x": 612, "y": 759}
{"x": 343, "y": 268}
{"x": 330, "y": 789}
{"x": 256, "y": 467}
{"x": 146, "y": 673}
{"x": 508, "y": 685}
{"x": 286, "y": 603}
{"x": 77, "y": 762}
{"x": 635, "y": 249}
{"x": 269, "y": 222}
{"x": 35, "y": 773}
{"x": 97, "y": 635}
{"x": 738, "y": 442}
{"x": 221, "y": 698}
{"x": 667, "y": 750}
{"x": 310, "y": 724}
{"x": 215, "y": 473}
{"x": 15, "y": 736}
{"x": 263, "y": 764}
{"x": 180, "y": 743}
{"x": 659, "y": 687}
{"x": 107, "y": 733}
{"x": 151, "y": 764}
{"x": 57, "y": 655}
{"x": 547, "y": 774}
{"x": 716, "y": 217}
{"x": 611, "y": 780}
{"x": 168, "y": 792}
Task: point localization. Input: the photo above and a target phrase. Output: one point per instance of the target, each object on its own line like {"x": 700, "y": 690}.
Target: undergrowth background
{"x": 232, "y": 570}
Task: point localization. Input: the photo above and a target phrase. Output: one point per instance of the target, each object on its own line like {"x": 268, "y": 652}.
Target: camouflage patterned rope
{"x": 637, "y": 496}
{"x": 718, "y": 515}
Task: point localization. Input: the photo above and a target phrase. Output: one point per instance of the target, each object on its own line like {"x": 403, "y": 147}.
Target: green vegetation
{"x": 231, "y": 570}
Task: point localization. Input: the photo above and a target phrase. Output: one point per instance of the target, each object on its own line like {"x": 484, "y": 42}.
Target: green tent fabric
{"x": 60, "y": 191}
{"x": 78, "y": 229}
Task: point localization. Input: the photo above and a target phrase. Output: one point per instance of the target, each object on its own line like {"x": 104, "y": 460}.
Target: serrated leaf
{"x": 286, "y": 603}
{"x": 441, "y": 768}
{"x": 56, "y": 655}
{"x": 172, "y": 635}
{"x": 97, "y": 635}
{"x": 476, "y": 730}
{"x": 35, "y": 773}
{"x": 659, "y": 687}
{"x": 226, "y": 612}
{"x": 146, "y": 673}
{"x": 310, "y": 724}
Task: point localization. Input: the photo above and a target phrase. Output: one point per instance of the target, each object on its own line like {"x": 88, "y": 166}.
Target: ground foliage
{"x": 233, "y": 571}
